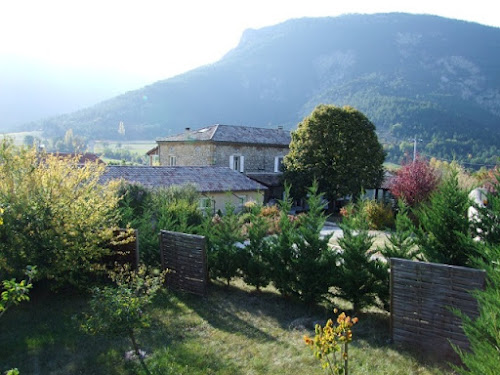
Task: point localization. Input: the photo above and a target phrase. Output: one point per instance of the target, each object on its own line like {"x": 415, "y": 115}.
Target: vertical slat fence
{"x": 423, "y": 296}
{"x": 184, "y": 255}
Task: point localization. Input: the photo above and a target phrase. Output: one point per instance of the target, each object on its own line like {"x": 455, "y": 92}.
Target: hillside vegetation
{"x": 412, "y": 75}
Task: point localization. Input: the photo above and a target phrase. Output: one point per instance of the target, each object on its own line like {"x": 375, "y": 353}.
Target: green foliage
{"x": 302, "y": 264}
{"x": 399, "y": 244}
{"x": 444, "y": 233}
{"x": 282, "y": 251}
{"x": 223, "y": 234}
{"x": 13, "y": 292}
{"x": 487, "y": 227}
{"x": 122, "y": 309}
{"x": 57, "y": 215}
{"x": 149, "y": 211}
{"x": 176, "y": 209}
{"x": 483, "y": 332}
{"x": 313, "y": 259}
{"x": 339, "y": 148}
{"x": 379, "y": 215}
{"x": 360, "y": 277}
{"x": 331, "y": 344}
{"x": 255, "y": 255}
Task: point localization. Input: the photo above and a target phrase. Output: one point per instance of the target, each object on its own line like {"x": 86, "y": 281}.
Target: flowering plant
{"x": 330, "y": 343}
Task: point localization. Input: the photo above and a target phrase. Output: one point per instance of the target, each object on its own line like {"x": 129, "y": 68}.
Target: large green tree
{"x": 339, "y": 148}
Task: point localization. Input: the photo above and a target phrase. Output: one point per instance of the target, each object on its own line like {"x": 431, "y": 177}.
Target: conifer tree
{"x": 444, "y": 233}
{"x": 399, "y": 244}
{"x": 223, "y": 252}
{"x": 359, "y": 276}
{"x": 254, "y": 257}
{"x": 483, "y": 332}
{"x": 314, "y": 265}
{"x": 282, "y": 249}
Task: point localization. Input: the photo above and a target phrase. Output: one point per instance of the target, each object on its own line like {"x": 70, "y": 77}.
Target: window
{"x": 278, "y": 164}
{"x": 172, "y": 160}
{"x": 237, "y": 162}
{"x": 207, "y": 206}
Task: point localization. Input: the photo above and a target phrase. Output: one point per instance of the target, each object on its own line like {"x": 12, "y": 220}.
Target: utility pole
{"x": 415, "y": 147}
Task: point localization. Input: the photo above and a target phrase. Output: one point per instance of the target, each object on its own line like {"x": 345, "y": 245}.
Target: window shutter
{"x": 276, "y": 163}
{"x": 242, "y": 163}
{"x": 231, "y": 162}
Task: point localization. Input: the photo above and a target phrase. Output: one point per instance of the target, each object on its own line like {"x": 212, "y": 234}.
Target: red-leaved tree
{"x": 414, "y": 182}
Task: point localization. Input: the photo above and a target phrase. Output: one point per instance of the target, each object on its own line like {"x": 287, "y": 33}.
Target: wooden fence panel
{"x": 422, "y": 298}
{"x": 184, "y": 255}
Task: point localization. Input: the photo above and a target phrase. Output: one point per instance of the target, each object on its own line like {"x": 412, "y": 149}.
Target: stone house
{"x": 256, "y": 152}
{"x": 217, "y": 185}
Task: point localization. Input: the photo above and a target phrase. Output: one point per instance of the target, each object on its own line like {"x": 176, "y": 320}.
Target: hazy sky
{"x": 152, "y": 40}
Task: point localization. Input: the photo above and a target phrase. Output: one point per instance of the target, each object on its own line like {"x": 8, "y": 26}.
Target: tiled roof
{"x": 233, "y": 134}
{"x": 86, "y": 157}
{"x": 206, "y": 179}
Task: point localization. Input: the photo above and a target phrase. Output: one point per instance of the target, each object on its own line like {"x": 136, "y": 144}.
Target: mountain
{"x": 31, "y": 89}
{"x": 412, "y": 75}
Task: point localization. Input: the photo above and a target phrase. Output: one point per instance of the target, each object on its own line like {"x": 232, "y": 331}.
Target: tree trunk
{"x": 138, "y": 353}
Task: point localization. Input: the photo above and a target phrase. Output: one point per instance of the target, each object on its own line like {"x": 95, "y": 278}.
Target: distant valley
{"x": 412, "y": 75}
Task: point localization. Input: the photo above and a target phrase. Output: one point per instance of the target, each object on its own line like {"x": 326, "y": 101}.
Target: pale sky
{"x": 153, "y": 39}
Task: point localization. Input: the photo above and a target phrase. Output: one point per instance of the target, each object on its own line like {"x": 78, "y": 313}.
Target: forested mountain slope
{"x": 412, "y": 75}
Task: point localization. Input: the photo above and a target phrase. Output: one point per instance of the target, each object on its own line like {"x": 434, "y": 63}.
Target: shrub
{"x": 414, "y": 182}
{"x": 378, "y": 214}
{"x": 121, "y": 309}
{"x": 57, "y": 215}
{"x": 149, "y": 211}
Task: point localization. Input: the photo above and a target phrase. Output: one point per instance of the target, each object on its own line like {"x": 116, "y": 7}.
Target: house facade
{"x": 256, "y": 152}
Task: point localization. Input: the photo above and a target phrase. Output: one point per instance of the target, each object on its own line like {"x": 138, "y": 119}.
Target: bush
{"x": 121, "y": 309}
{"x": 414, "y": 182}
{"x": 149, "y": 211}
{"x": 378, "y": 214}
{"x": 57, "y": 215}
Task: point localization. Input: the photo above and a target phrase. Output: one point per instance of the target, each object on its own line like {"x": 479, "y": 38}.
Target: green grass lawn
{"x": 135, "y": 147}
{"x": 233, "y": 330}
